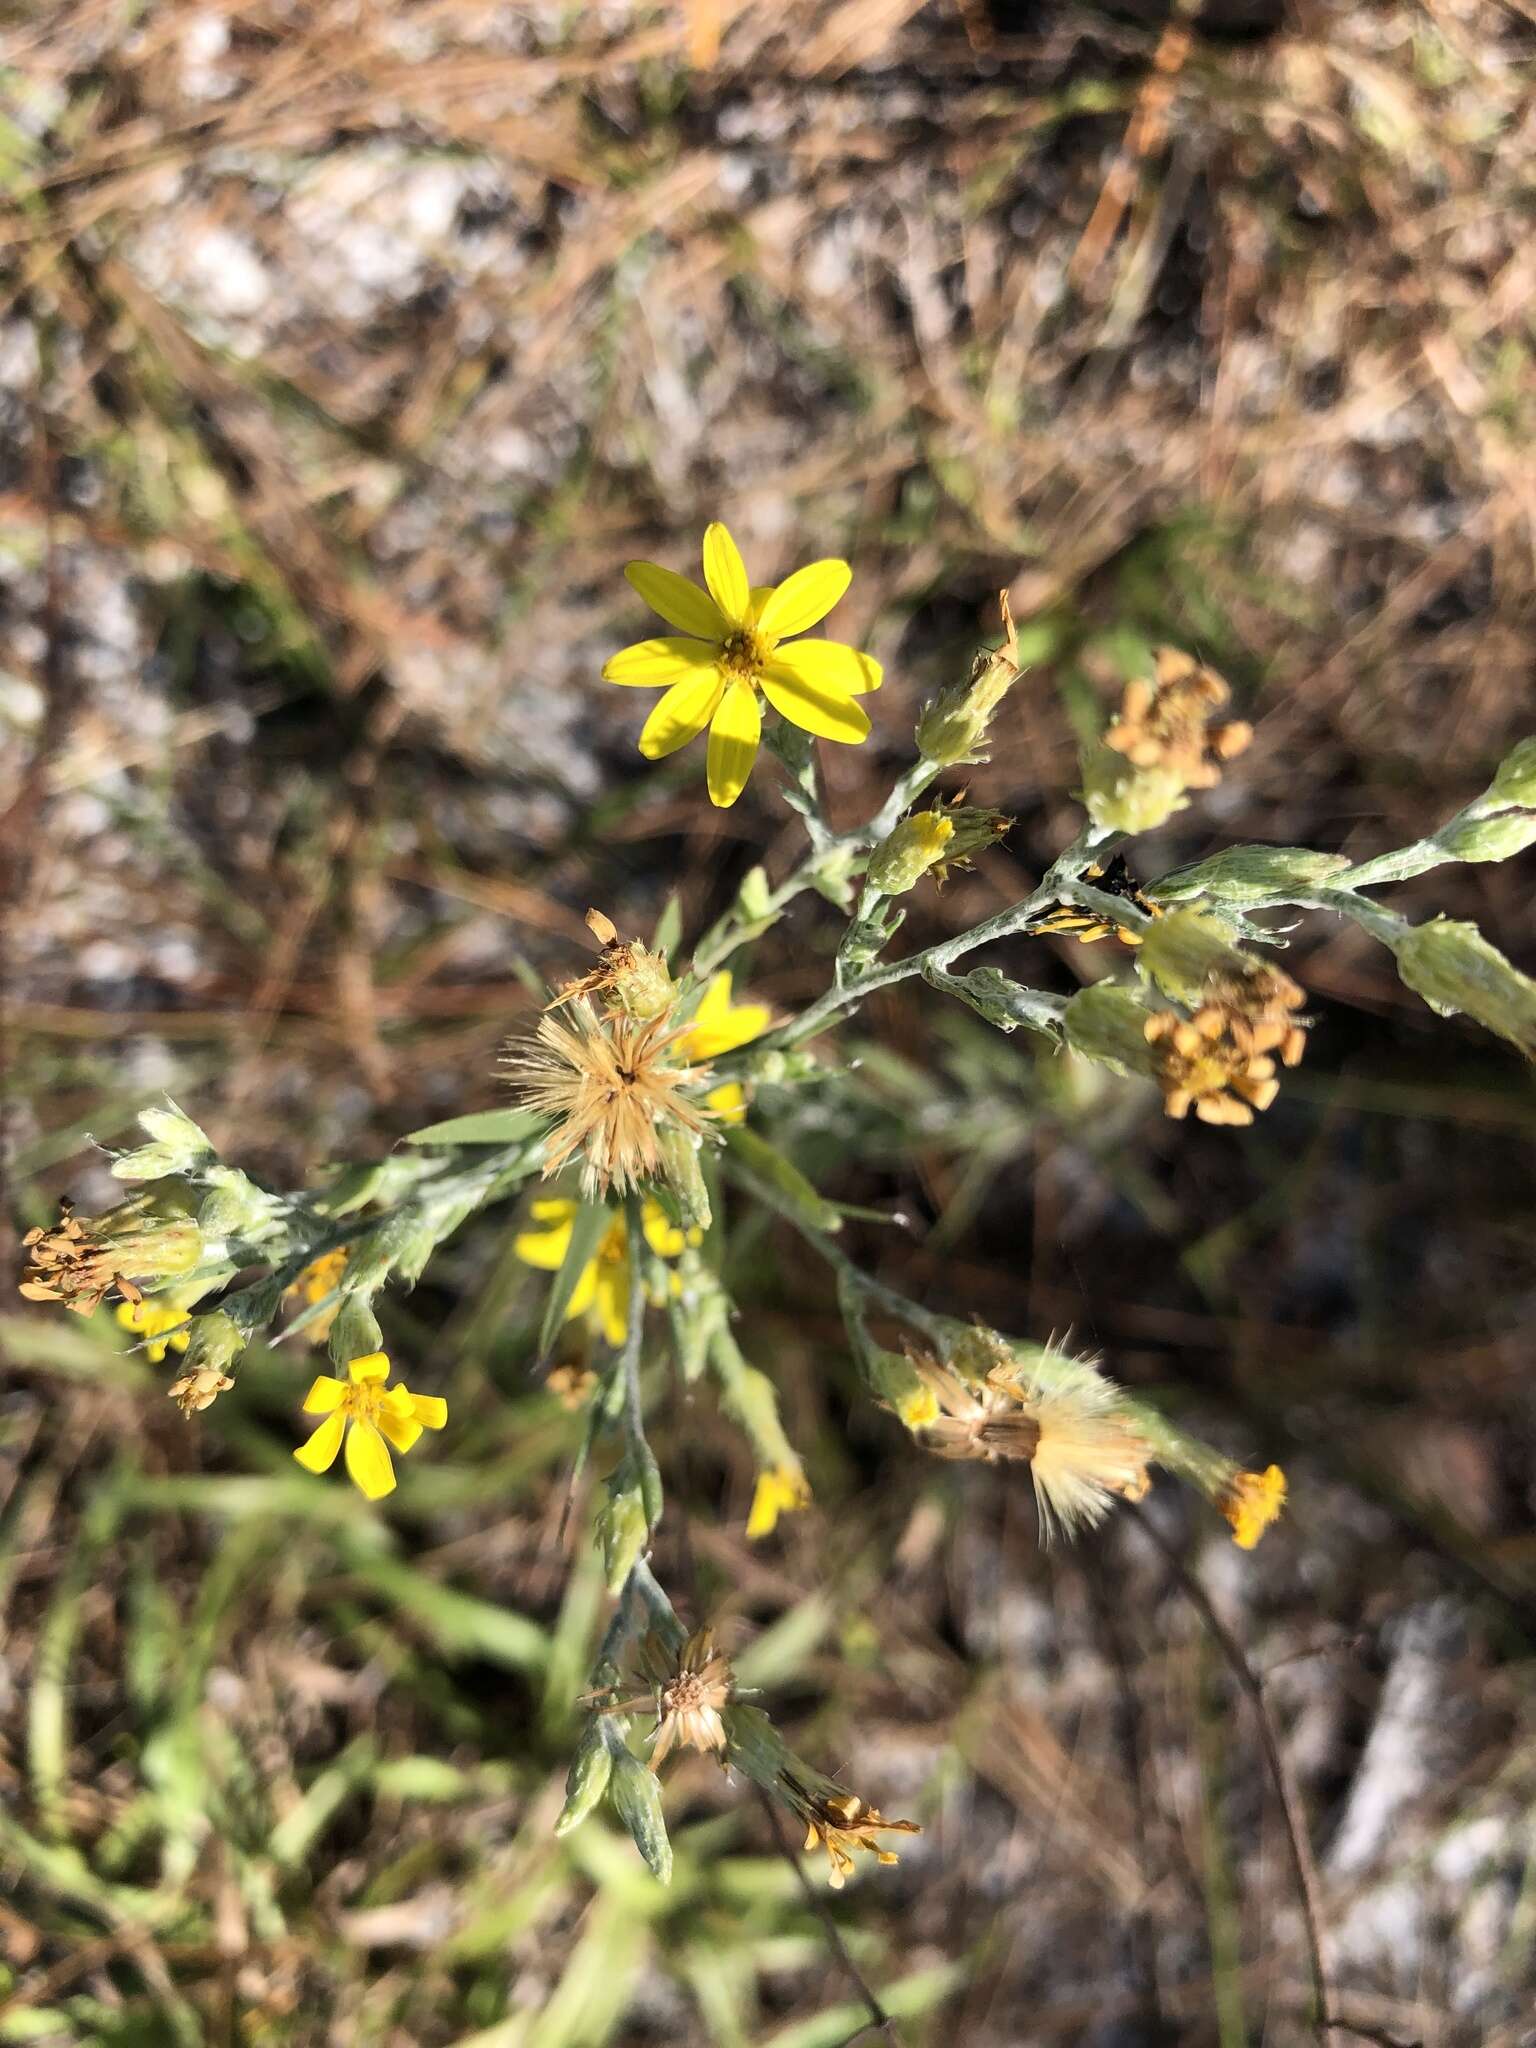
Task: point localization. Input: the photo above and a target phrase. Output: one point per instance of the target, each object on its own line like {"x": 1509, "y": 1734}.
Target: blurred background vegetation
{"x": 347, "y": 350}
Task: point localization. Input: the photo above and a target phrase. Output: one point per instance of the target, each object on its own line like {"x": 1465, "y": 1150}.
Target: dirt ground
{"x": 347, "y": 351}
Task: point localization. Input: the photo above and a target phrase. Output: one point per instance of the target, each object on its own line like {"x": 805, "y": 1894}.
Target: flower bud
{"x": 587, "y": 1779}
{"x": 894, "y": 1382}
{"x": 906, "y": 854}
{"x": 1453, "y": 967}
{"x": 1496, "y": 838}
{"x": 754, "y": 899}
{"x": 954, "y": 725}
{"x": 1185, "y": 950}
{"x": 355, "y": 1332}
{"x": 1107, "y": 1024}
{"x": 1515, "y": 782}
{"x": 1004, "y": 1003}
{"x": 214, "y": 1343}
{"x": 235, "y": 1210}
{"x": 1120, "y": 797}
{"x": 636, "y": 1796}
{"x": 679, "y": 1151}
{"x": 177, "y": 1146}
{"x": 1242, "y": 873}
{"x": 623, "y": 1529}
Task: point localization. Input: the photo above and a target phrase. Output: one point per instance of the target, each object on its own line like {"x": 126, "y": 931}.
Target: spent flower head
{"x": 841, "y": 1823}
{"x": 612, "y": 1087}
{"x": 1165, "y": 740}
{"x": 730, "y": 653}
{"x": 688, "y": 1694}
{"x": 82, "y": 1259}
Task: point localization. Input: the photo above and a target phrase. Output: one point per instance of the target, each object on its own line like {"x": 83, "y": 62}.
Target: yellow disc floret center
{"x": 743, "y": 655}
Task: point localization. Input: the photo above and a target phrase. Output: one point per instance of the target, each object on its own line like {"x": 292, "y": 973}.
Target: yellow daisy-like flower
{"x": 1251, "y": 1501}
{"x": 718, "y": 1026}
{"x": 152, "y": 1319}
{"x": 370, "y": 1416}
{"x": 731, "y": 654}
{"x": 781, "y": 1490}
{"x": 604, "y": 1286}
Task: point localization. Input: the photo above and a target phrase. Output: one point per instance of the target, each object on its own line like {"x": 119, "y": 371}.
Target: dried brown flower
{"x": 1201, "y": 1066}
{"x": 841, "y": 1823}
{"x": 613, "y": 1088}
{"x": 687, "y": 1696}
{"x": 1083, "y": 1452}
{"x": 197, "y": 1390}
{"x": 1165, "y": 722}
{"x": 82, "y": 1259}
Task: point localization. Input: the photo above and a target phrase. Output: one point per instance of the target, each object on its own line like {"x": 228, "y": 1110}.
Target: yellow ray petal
{"x": 400, "y": 1430}
{"x": 650, "y": 663}
{"x": 831, "y": 666}
{"x": 761, "y": 592}
{"x": 325, "y": 1396}
{"x": 726, "y": 573}
{"x": 719, "y": 1025}
{"x": 613, "y": 1302}
{"x": 728, "y": 1101}
{"x": 680, "y": 603}
{"x": 683, "y": 712}
{"x": 813, "y": 707}
{"x": 319, "y": 1454}
{"x": 584, "y": 1292}
{"x": 368, "y": 1461}
{"x": 661, "y": 1233}
{"x": 545, "y": 1248}
{"x": 733, "y": 737}
{"x": 805, "y": 598}
{"x": 430, "y": 1410}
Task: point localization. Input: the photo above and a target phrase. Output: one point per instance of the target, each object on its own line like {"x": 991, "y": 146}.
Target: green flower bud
{"x": 1120, "y": 797}
{"x": 1495, "y": 838}
{"x": 754, "y": 899}
{"x": 587, "y": 1779}
{"x": 1185, "y": 951}
{"x": 636, "y": 1797}
{"x": 1453, "y": 967}
{"x": 679, "y": 1151}
{"x": 751, "y": 1400}
{"x": 906, "y": 854}
{"x": 623, "y": 1528}
{"x": 831, "y": 875}
{"x": 894, "y": 1382}
{"x": 1515, "y": 782}
{"x": 954, "y": 725}
{"x": 214, "y": 1342}
{"x": 1242, "y": 873}
{"x": 235, "y": 1210}
{"x": 355, "y": 1333}
{"x": 642, "y": 987}
{"x": 1108, "y": 1024}
{"x": 177, "y": 1146}
{"x": 977, "y": 1351}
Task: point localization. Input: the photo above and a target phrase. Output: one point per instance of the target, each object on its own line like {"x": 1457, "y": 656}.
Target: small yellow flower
{"x": 718, "y": 1026}
{"x": 919, "y": 1409}
{"x": 781, "y": 1490}
{"x": 366, "y": 1413}
{"x": 319, "y": 1278}
{"x": 1251, "y": 1501}
{"x": 731, "y": 656}
{"x": 604, "y": 1286}
{"x": 153, "y": 1319}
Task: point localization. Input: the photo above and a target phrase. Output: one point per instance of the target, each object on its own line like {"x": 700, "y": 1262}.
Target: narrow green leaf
{"x": 783, "y": 1184}
{"x": 591, "y": 1221}
{"x": 669, "y": 928}
{"x": 486, "y": 1127}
